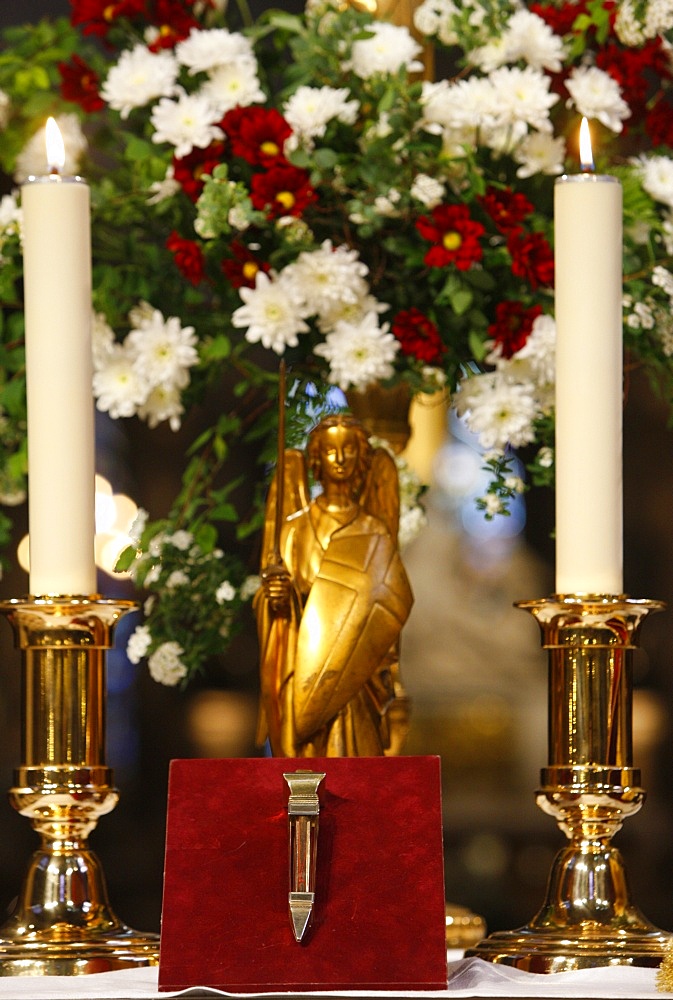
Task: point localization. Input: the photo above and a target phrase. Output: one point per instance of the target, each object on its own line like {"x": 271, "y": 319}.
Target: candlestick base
{"x": 588, "y": 919}
{"x": 63, "y": 923}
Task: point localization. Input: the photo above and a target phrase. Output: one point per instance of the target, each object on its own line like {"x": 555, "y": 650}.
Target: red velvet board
{"x": 378, "y": 922}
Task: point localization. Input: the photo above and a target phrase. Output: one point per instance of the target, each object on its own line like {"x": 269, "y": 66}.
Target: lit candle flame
{"x": 55, "y": 147}
{"x": 586, "y": 153}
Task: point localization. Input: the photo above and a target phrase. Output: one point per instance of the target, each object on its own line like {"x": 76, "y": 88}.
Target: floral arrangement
{"x": 291, "y": 186}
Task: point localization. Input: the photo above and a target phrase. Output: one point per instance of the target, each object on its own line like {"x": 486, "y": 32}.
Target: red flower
{"x": 418, "y": 336}
{"x": 79, "y": 84}
{"x": 257, "y": 134}
{"x": 188, "y": 257}
{"x": 243, "y": 270}
{"x": 560, "y": 19}
{"x": 174, "y": 20}
{"x": 512, "y": 326}
{"x": 99, "y": 15}
{"x": 190, "y": 171}
{"x": 507, "y": 208}
{"x": 532, "y": 258}
{"x": 455, "y": 235}
{"x": 282, "y": 190}
{"x": 659, "y": 122}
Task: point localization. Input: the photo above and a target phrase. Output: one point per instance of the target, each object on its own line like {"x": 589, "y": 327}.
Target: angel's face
{"x": 339, "y": 454}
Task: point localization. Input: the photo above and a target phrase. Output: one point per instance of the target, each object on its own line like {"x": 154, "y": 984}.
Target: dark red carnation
{"x": 79, "y": 84}
{"x": 243, "y": 269}
{"x": 188, "y": 257}
{"x": 98, "y": 16}
{"x": 418, "y": 336}
{"x": 257, "y": 134}
{"x": 507, "y": 208}
{"x": 560, "y": 18}
{"x": 284, "y": 190}
{"x": 513, "y": 323}
{"x": 532, "y": 258}
{"x": 173, "y": 20}
{"x": 190, "y": 171}
{"x": 454, "y": 234}
{"x": 659, "y": 122}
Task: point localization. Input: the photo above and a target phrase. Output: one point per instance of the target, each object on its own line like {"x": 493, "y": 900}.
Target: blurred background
{"x": 471, "y": 662}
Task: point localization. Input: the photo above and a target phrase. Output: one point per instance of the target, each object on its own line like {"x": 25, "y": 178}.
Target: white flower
{"x": 164, "y": 350}
{"x": 117, "y": 385}
{"x": 309, "y": 110}
{"x": 165, "y": 665}
{"x": 233, "y": 84}
{"x": 515, "y": 483}
{"x": 225, "y": 592}
{"x": 102, "y": 340}
{"x": 596, "y": 94}
{"x": 138, "y": 643}
{"x": 359, "y": 353}
{"x": 178, "y": 578}
{"x": 522, "y": 96}
{"x": 545, "y": 457}
{"x": 540, "y": 153}
{"x": 163, "y": 403}
{"x": 32, "y": 160}
{"x": 497, "y": 410}
{"x": 139, "y": 77}
{"x": 656, "y": 174}
{"x": 492, "y": 504}
{"x": 271, "y": 314}
{"x": 390, "y": 48}
{"x": 161, "y": 190}
{"x": 250, "y": 586}
{"x": 11, "y": 216}
{"x": 326, "y": 277}
{"x": 180, "y": 539}
{"x": 428, "y": 190}
{"x": 530, "y": 38}
{"x": 208, "y": 49}
{"x": 185, "y": 123}
{"x": 138, "y": 525}
{"x": 5, "y": 104}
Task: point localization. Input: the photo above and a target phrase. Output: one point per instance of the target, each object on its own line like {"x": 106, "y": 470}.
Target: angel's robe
{"x": 327, "y": 670}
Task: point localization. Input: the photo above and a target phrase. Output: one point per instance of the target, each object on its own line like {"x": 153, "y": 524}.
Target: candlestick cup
{"x": 63, "y": 923}
{"x": 590, "y": 787}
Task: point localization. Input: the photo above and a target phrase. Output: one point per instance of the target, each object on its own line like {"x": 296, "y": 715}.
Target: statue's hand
{"x": 277, "y": 586}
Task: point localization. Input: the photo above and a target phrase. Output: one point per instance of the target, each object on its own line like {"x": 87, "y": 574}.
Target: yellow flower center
{"x": 286, "y": 199}
{"x": 269, "y": 148}
{"x": 109, "y": 12}
{"x": 452, "y": 240}
{"x": 249, "y": 269}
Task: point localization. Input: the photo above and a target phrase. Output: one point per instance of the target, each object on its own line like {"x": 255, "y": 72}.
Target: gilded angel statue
{"x": 334, "y": 597}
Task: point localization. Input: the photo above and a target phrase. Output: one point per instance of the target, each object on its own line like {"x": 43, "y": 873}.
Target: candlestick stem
{"x": 63, "y": 923}
{"x": 590, "y": 787}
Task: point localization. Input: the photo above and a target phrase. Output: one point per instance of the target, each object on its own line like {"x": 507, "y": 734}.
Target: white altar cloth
{"x": 471, "y": 977}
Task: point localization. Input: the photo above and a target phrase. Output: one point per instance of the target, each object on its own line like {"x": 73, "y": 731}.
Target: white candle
{"x": 61, "y": 463}
{"x": 588, "y": 255}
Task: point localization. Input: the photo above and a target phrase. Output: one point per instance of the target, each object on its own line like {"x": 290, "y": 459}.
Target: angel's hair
{"x": 365, "y": 450}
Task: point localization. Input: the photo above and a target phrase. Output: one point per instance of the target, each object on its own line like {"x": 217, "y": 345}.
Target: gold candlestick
{"x": 63, "y": 923}
{"x": 590, "y": 786}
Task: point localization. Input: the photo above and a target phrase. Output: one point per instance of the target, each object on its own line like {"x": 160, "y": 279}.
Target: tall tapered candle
{"x": 57, "y": 283}
{"x": 588, "y": 254}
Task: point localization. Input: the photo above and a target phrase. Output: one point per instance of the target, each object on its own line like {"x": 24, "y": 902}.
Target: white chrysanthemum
{"x": 271, "y": 313}
{"x": 341, "y": 311}
{"x": 11, "y": 216}
{"x": 324, "y": 277}
{"x": 656, "y": 173}
{"x": 359, "y": 354}
{"x": 118, "y": 387}
{"x": 185, "y": 123}
{"x": 165, "y": 665}
{"x": 309, "y": 110}
{"x": 522, "y": 96}
{"x": 163, "y": 402}
{"x": 596, "y": 94}
{"x": 234, "y": 84}
{"x": 529, "y": 38}
{"x": 467, "y": 104}
{"x": 435, "y": 17}
{"x": 204, "y": 50}
{"x": 540, "y": 153}
{"x": 428, "y": 190}
{"x": 390, "y": 48}
{"x": 225, "y": 592}
{"x": 139, "y": 77}
{"x": 32, "y": 160}
{"x": 498, "y": 411}
{"x": 138, "y": 643}
{"x": 102, "y": 339}
{"x": 164, "y": 350}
